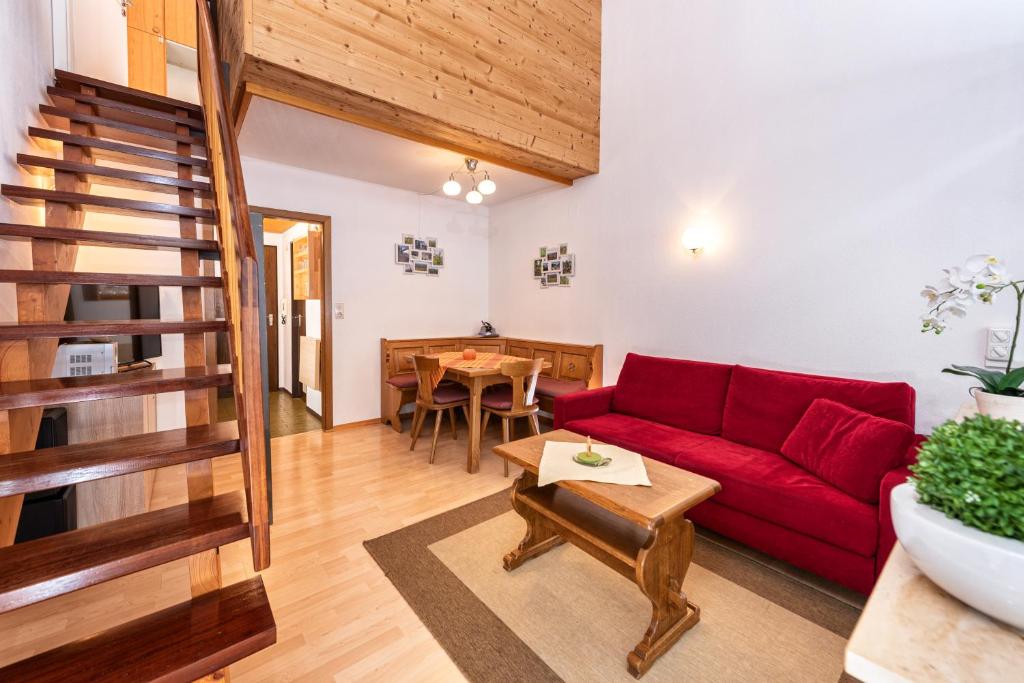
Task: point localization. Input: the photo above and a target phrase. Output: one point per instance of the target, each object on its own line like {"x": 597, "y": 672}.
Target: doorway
{"x": 297, "y": 295}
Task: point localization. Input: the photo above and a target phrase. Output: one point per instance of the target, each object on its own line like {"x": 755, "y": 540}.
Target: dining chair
{"x": 514, "y": 400}
{"x": 446, "y": 397}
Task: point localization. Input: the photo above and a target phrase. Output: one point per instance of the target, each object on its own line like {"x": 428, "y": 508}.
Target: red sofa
{"x": 729, "y": 423}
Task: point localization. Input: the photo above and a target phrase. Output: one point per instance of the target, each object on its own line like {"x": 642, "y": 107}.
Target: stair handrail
{"x": 241, "y": 281}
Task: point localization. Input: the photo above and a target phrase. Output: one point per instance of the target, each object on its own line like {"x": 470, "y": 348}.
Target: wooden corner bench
{"x": 574, "y": 367}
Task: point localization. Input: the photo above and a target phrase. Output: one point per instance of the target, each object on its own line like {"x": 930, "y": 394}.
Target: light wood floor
{"x": 338, "y": 617}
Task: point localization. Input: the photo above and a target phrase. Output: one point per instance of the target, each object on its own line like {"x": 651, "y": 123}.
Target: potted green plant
{"x": 980, "y": 279}
{"x": 961, "y": 515}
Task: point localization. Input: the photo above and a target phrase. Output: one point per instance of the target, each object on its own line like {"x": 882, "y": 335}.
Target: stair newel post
{"x": 34, "y": 358}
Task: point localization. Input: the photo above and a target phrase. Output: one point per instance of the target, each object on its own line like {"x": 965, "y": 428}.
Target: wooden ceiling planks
{"x": 514, "y": 82}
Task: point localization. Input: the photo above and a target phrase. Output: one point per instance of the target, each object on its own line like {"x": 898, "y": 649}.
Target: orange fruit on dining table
{"x": 469, "y": 354}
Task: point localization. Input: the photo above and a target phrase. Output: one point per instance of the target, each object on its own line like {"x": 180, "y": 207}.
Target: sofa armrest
{"x": 892, "y": 479}
{"x": 583, "y": 404}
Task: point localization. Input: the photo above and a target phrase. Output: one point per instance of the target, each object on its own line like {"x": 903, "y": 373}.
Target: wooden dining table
{"x": 476, "y": 374}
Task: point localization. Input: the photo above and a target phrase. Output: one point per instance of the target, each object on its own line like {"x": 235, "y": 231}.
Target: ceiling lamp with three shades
{"x": 484, "y": 187}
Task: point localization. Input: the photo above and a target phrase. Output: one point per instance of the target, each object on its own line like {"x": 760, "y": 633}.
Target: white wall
{"x": 26, "y": 54}
{"x": 846, "y": 152}
{"x": 380, "y": 301}
{"x": 98, "y": 37}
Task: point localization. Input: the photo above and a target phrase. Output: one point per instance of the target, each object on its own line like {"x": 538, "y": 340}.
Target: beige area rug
{"x": 565, "y": 616}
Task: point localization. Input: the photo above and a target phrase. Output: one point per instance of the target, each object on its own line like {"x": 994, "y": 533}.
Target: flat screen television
{"x": 119, "y": 302}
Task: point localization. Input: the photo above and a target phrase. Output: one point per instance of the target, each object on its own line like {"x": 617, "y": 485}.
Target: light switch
{"x": 998, "y": 348}
{"x": 339, "y": 311}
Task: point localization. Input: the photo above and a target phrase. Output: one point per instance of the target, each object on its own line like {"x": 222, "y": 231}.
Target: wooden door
{"x": 270, "y": 291}
{"x": 298, "y": 330}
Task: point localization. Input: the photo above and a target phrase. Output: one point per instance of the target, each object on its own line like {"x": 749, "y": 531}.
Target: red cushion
{"x": 548, "y": 386}
{"x": 406, "y": 380}
{"x": 450, "y": 393}
{"x": 680, "y": 393}
{"x": 763, "y": 406}
{"x": 848, "y": 448}
{"x": 499, "y": 397}
{"x": 654, "y": 440}
{"x": 768, "y": 486}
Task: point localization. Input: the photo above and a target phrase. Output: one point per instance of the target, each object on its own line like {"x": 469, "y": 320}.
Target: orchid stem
{"x": 1016, "y": 330}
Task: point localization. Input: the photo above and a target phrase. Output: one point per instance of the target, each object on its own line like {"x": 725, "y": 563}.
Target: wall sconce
{"x": 695, "y": 239}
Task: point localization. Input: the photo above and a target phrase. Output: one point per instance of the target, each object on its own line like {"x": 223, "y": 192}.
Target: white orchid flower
{"x": 931, "y": 294}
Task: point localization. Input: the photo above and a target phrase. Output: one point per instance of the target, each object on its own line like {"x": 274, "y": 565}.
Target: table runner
{"x": 454, "y": 359}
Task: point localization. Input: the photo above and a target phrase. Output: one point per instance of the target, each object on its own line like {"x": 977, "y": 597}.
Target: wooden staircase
{"x": 187, "y": 152}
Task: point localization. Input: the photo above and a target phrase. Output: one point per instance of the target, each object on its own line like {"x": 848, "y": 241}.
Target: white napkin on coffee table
{"x": 556, "y": 464}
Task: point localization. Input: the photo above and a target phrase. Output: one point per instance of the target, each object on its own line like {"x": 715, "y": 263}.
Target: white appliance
{"x": 91, "y": 358}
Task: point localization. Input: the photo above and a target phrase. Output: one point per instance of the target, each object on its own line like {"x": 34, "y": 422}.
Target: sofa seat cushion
{"x": 686, "y": 394}
{"x": 405, "y": 380}
{"x": 763, "y": 406}
{"x": 553, "y": 388}
{"x": 768, "y": 486}
{"x": 850, "y": 449}
{"x": 654, "y": 440}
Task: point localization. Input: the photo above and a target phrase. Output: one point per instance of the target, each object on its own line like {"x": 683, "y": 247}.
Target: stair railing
{"x": 241, "y": 282}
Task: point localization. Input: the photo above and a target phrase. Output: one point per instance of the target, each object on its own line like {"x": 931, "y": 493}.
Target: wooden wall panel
{"x": 180, "y": 21}
{"x": 509, "y": 81}
{"x": 147, "y": 61}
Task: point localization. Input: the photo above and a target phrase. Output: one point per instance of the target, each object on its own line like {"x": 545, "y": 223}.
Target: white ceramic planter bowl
{"x": 994, "y": 405}
{"x": 983, "y": 570}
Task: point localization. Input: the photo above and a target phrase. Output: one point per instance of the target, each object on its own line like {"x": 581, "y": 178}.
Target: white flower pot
{"x": 994, "y": 405}
{"x": 984, "y": 570}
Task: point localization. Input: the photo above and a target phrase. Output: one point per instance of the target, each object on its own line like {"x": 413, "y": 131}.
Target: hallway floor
{"x": 287, "y": 415}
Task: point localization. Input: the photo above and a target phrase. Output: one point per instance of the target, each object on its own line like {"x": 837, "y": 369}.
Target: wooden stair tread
{"x": 54, "y": 391}
{"x": 130, "y": 113}
{"x": 54, "y": 565}
{"x": 120, "y": 151}
{"x": 49, "y": 468}
{"x": 132, "y": 207}
{"x": 181, "y": 643}
{"x": 119, "y": 130}
{"x": 105, "y": 328}
{"x": 59, "y": 277}
{"x": 107, "y": 175}
{"x": 126, "y": 240}
{"x": 114, "y": 91}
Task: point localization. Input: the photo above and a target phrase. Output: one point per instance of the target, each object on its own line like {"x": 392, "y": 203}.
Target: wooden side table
{"x": 912, "y": 630}
{"x": 638, "y": 531}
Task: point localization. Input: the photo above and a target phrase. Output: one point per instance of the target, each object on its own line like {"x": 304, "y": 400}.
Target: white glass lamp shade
{"x": 474, "y": 197}
{"x": 487, "y": 186}
{"x": 695, "y": 238}
{"x": 451, "y": 187}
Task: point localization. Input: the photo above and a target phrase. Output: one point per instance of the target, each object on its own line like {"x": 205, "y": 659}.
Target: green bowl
{"x": 591, "y": 459}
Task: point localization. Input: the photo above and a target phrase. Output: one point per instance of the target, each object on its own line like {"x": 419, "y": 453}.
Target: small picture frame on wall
{"x": 543, "y": 283}
{"x": 402, "y": 253}
{"x": 408, "y": 240}
{"x": 552, "y": 255}
{"x": 432, "y": 271}
{"x": 563, "y": 281}
{"x": 419, "y": 245}
{"x": 563, "y": 249}
{"x": 556, "y": 266}
{"x": 432, "y": 242}
{"x": 408, "y": 269}
{"x": 569, "y": 265}
{"x": 538, "y": 268}
{"x": 551, "y": 278}
{"x": 438, "y": 260}
{"x": 420, "y": 267}
{"x": 543, "y": 252}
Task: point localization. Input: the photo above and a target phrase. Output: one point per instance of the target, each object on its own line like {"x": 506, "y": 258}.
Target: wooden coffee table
{"x": 638, "y": 531}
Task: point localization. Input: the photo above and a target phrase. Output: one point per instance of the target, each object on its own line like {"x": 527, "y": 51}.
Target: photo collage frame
{"x": 554, "y": 267}
{"x": 419, "y": 256}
